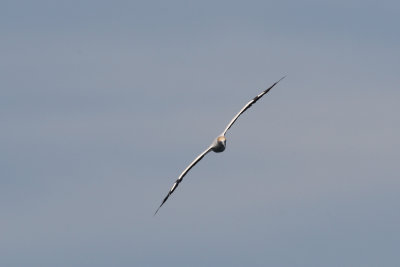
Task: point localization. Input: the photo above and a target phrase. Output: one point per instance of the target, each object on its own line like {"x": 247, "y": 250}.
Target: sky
{"x": 104, "y": 103}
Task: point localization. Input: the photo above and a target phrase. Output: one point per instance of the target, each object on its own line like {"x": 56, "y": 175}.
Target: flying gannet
{"x": 218, "y": 145}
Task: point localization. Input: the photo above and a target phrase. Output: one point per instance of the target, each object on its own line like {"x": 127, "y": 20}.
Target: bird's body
{"x": 218, "y": 145}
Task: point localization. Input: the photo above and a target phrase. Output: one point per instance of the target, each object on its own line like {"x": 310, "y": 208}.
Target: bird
{"x": 218, "y": 145}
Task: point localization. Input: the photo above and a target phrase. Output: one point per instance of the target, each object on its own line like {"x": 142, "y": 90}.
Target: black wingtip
{"x": 159, "y": 207}
{"x": 162, "y": 203}
{"x": 281, "y": 79}
{"x": 157, "y": 210}
{"x": 272, "y": 86}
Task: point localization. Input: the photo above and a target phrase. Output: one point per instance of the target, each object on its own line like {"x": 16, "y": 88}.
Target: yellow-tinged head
{"x": 221, "y": 139}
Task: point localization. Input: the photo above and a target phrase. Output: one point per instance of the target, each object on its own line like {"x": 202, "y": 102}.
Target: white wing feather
{"x": 175, "y": 185}
{"x": 248, "y": 105}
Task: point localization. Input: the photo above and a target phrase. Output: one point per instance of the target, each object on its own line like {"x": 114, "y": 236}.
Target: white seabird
{"x": 218, "y": 145}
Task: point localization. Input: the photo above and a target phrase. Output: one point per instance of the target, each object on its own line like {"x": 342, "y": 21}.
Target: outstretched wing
{"x": 254, "y": 100}
{"x": 194, "y": 162}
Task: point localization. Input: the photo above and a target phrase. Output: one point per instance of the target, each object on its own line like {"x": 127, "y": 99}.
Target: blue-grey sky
{"x": 104, "y": 103}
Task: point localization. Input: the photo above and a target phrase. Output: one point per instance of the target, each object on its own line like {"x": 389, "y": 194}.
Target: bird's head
{"x": 221, "y": 139}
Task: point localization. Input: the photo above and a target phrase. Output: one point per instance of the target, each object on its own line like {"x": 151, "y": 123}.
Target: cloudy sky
{"x": 104, "y": 103}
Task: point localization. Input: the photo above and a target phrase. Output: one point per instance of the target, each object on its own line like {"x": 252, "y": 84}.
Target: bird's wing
{"x": 251, "y": 102}
{"x": 175, "y": 185}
